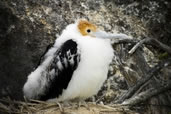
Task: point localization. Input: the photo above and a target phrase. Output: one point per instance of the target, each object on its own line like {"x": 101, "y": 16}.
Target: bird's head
{"x": 88, "y": 29}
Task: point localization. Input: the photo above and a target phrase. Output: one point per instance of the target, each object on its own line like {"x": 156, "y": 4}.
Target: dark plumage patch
{"x": 63, "y": 72}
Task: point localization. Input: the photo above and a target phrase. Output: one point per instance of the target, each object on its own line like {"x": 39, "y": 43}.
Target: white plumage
{"x": 90, "y": 61}
{"x": 87, "y": 79}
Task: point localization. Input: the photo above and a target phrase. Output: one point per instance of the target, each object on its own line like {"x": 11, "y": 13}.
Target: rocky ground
{"x": 27, "y": 27}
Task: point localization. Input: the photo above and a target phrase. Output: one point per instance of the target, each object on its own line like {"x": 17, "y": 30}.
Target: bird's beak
{"x": 105, "y": 35}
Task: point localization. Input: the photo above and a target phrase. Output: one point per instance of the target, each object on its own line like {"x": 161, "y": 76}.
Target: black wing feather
{"x": 62, "y": 76}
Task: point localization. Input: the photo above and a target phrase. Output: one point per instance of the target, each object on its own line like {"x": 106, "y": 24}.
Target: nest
{"x": 21, "y": 107}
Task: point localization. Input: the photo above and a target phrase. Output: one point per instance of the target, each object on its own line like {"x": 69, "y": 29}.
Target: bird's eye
{"x": 88, "y": 30}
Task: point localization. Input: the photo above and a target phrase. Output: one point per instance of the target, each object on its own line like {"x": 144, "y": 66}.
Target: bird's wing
{"x": 61, "y": 69}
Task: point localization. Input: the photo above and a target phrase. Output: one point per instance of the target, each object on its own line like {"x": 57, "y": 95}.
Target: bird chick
{"x": 75, "y": 67}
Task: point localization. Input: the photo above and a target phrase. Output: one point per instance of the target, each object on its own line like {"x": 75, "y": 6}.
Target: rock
{"x": 21, "y": 45}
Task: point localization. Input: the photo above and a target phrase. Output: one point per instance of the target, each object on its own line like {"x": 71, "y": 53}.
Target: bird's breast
{"x": 87, "y": 79}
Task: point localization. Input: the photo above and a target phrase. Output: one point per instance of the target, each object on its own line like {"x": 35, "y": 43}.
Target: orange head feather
{"x": 86, "y": 28}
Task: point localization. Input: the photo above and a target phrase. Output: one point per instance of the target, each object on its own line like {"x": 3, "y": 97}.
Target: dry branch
{"x": 147, "y": 41}
{"x": 142, "y": 81}
{"x": 136, "y": 46}
{"x": 143, "y": 96}
{"x": 155, "y": 42}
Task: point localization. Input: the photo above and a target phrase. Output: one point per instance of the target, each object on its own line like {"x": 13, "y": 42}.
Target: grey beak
{"x": 105, "y": 35}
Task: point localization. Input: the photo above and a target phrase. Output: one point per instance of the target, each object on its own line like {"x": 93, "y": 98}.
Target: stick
{"x": 140, "y": 43}
{"x": 147, "y": 41}
{"x": 155, "y": 42}
{"x": 146, "y": 95}
{"x": 142, "y": 81}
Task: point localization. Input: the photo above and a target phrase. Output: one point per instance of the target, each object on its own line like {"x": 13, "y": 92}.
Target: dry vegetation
{"x": 40, "y": 107}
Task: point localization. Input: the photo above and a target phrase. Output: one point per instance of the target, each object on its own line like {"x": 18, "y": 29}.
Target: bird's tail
{"x": 36, "y": 84}
{"x": 38, "y": 80}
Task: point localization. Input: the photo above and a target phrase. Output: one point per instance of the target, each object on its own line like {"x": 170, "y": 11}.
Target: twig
{"x": 142, "y": 81}
{"x": 124, "y": 40}
{"x": 147, "y": 41}
{"x": 158, "y": 44}
{"x": 146, "y": 95}
{"x": 38, "y": 101}
{"x": 3, "y": 107}
{"x": 137, "y": 45}
{"x": 60, "y": 107}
